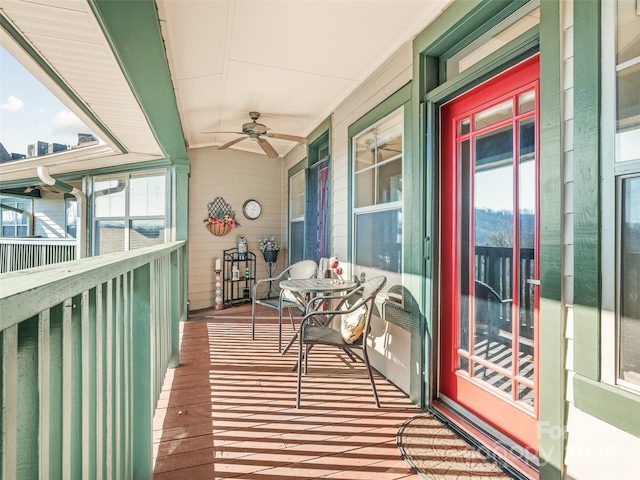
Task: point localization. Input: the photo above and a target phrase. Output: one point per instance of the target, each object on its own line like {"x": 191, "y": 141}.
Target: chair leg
{"x": 253, "y": 320}
{"x": 373, "y": 385}
{"x": 300, "y": 347}
{"x": 291, "y": 318}
{"x": 291, "y": 342}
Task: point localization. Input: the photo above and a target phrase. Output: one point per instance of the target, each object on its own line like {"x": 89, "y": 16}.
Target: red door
{"x": 489, "y": 249}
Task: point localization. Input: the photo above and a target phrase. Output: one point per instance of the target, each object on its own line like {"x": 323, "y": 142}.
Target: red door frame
{"x": 514, "y": 421}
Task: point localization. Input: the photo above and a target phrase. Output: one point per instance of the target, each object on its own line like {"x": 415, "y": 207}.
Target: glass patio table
{"x": 305, "y": 290}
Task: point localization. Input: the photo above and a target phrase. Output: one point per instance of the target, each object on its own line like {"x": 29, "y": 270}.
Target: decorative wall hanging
{"x": 221, "y": 218}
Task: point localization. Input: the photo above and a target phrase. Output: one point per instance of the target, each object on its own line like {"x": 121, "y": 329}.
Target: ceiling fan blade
{"x": 284, "y": 136}
{"x": 232, "y": 142}
{"x": 236, "y": 133}
{"x": 268, "y": 149}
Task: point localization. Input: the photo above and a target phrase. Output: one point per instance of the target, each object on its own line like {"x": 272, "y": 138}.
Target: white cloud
{"x": 13, "y": 104}
{"x": 65, "y": 122}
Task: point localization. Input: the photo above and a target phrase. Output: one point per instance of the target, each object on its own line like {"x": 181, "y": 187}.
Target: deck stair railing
{"x": 20, "y": 253}
{"x": 85, "y": 346}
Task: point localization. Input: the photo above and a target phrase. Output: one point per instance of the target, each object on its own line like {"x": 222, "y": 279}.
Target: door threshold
{"x": 511, "y": 462}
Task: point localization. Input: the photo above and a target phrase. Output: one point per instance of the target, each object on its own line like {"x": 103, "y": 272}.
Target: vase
{"x": 270, "y": 256}
{"x": 218, "y": 229}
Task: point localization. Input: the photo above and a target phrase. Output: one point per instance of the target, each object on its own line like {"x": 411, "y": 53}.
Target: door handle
{"x": 533, "y": 281}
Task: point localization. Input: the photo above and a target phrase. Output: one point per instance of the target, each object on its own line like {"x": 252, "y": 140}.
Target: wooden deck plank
{"x": 228, "y": 410}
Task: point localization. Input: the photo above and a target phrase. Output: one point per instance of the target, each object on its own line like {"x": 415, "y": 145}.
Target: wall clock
{"x": 251, "y": 209}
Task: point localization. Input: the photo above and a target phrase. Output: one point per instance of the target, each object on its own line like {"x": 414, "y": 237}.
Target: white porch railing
{"x": 85, "y": 347}
{"x": 21, "y": 253}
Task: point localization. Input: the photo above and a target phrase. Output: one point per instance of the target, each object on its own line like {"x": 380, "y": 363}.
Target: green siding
{"x": 606, "y": 402}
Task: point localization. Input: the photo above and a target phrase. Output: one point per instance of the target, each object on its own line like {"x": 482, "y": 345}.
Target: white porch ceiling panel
{"x": 292, "y": 61}
{"x": 67, "y": 35}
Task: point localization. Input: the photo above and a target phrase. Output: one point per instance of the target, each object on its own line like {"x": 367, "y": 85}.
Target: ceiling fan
{"x": 255, "y": 132}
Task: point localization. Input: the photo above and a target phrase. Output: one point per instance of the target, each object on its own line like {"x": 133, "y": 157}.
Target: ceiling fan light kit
{"x": 254, "y": 131}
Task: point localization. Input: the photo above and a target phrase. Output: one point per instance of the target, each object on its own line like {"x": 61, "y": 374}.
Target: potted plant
{"x": 269, "y": 248}
{"x": 220, "y": 223}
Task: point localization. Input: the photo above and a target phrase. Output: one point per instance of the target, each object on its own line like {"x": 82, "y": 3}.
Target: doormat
{"x": 435, "y": 452}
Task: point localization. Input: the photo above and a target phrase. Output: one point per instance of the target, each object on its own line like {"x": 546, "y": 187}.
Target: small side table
{"x": 271, "y": 270}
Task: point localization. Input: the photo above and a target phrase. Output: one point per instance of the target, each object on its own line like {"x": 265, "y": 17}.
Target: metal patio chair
{"x": 319, "y": 327}
{"x": 299, "y": 270}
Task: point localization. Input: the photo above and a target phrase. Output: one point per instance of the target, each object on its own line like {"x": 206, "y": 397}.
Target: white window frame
{"x": 369, "y": 272}
{"x": 127, "y": 217}
{"x": 614, "y": 170}
{"x": 13, "y": 202}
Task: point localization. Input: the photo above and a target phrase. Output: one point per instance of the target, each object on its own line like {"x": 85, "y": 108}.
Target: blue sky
{"x": 30, "y": 112}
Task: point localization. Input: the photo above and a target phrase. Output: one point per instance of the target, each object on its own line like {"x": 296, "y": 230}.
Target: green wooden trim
{"x": 507, "y": 56}
{"x": 586, "y": 168}
{"x": 384, "y": 108}
{"x": 301, "y": 165}
{"x": 179, "y": 192}
{"x": 133, "y": 30}
{"x": 610, "y": 404}
{"x": 551, "y": 330}
{"x": 26, "y": 46}
{"x": 324, "y": 127}
{"x": 27, "y": 292}
{"x": 460, "y": 20}
{"x": 314, "y": 148}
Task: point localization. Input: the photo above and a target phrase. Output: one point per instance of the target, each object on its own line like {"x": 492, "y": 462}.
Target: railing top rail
{"x": 26, "y": 293}
{"x": 37, "y": 241}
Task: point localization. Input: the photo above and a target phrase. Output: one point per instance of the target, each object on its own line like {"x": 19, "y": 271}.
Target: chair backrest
{"x": 303, "y": 269}
{"x": 370, "y": 290}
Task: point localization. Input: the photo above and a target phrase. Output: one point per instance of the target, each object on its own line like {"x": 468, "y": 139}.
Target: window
{"x": 128, "y": 211}
{"x": 377, "y": 195}
{"x": 621, "y": 195}
{"x": 13, "y": 222}
{"x": 296, "y": 217}
{"x": 71, "y": 215}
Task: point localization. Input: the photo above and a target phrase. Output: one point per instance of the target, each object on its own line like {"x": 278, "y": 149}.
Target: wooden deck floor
{"x": 228, "y": 410}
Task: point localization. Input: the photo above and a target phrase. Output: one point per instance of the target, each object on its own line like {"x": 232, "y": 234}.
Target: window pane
{"x": 390, "y": 182}
{"x": 296, "y": 195}
{"x": 365, "y": 187}
{"x": 71, "y": 216}
{"x": 145, "y": 233}
{"x": 630, "y": 282}
{"x": 109, "y": 194}
{"x": 527, "y": 101}
{"x": 379, "y": 240}
{"x": 365, "y": 150}
{"x": 22, "y": 231}
{"x": 109, "y": 236}
{"x": 147, "y": 196}
{"x": 628, "y": 18}
{"x": 296, "y": 244}
{"x": 8, "y": 231}
{"x": 509, "y": 29}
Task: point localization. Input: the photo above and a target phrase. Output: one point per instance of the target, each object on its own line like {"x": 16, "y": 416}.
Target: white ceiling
{"x": 292, "y": 61}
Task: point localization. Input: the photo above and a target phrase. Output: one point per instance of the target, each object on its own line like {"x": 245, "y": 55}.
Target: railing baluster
{"x": 44, "y": 377}
{"x": 10, "y": 393}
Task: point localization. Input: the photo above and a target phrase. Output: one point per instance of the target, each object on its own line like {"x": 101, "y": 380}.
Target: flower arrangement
{"x": 334, "y": 264}
{"x": 220, "y": 223}
{"x": 220, "y": 218}
{"x": 269, "y": 244}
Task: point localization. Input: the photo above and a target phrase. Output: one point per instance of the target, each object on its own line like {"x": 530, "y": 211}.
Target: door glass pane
{"x": 525, "y": 394}
{"x": 493, "y": 244}
{"x": 629, "y": 329}
{"x": 500, "y": 381}
{"x": 464, "y": 126}
{"x": 491, "y": 116}
{"x": 527, "y": 202}
{"x": 526, "y": 101}
{"x": 465, "y": 223}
